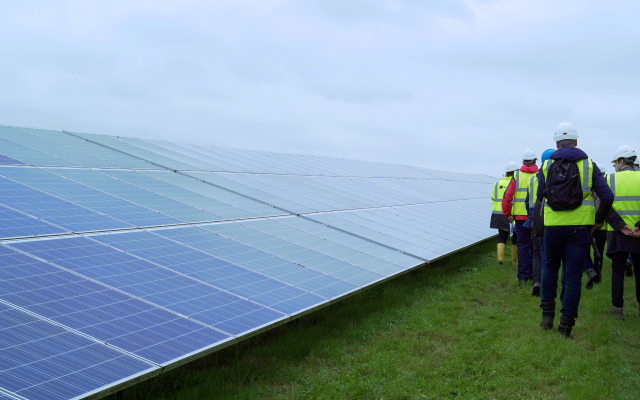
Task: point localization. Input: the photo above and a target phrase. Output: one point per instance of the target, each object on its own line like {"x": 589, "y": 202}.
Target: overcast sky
{"x": 454, "y": 85}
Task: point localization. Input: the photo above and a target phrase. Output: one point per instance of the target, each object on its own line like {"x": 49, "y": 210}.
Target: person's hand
{"x": 595, "y": 227}
{"x": 511, "y": 219}
{"x": 636, "y": 232}
{"x": 626, "y": 230}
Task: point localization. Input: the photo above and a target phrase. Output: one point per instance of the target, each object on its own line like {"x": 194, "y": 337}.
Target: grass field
{"x": 459, "y": 328}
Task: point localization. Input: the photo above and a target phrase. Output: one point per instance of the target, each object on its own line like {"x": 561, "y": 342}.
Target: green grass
{"x": 459, "y": 328}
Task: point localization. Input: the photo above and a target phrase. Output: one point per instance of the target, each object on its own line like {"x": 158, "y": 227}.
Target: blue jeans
{"x": 573, "y": 243}
{"x": 525, "y": 251}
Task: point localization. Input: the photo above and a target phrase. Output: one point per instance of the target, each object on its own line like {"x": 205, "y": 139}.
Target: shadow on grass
{"x": 275, "y": 357}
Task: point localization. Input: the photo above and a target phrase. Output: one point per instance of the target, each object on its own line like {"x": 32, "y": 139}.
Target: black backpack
{"x": 562, "y": 188}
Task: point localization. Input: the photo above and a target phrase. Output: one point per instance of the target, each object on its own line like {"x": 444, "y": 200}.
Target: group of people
{"x": 558, "y": 212}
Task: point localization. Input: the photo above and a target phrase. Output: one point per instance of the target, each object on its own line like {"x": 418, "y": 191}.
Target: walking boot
{"x": 591, "y": 278}
{"x": 628, "y": 271}
{"x": 514, "y": 254}
{"x": 565, "y": 327}
{"x": 501, "y": 249}
{"x": 535, "y": 292}
{"x": 548, "y": 314}
{"x": 617, "y": 312}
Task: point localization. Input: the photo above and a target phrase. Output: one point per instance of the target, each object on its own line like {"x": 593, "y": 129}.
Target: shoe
{"x": 501, "y": 249}
{"x": 522, "y": 282}
{"x": 514, "y": 254}
{"x": 535, "y": 292}
{"x": 617, "y": 312}
{"x": 592, "y": 275}
{"x": 548, "y": 314}
{"x": 628, "y": 271}
{"x": 565, "y": 327}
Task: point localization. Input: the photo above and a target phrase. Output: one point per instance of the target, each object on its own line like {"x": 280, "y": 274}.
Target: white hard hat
{"x": 512, "y": 167}
{"x": 565, "y": 131}
{"x": 529, "y": 155}
{"x": 623, "y": 151}
{"x": 601, "y": 167}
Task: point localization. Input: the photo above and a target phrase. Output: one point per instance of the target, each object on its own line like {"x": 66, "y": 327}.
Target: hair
{"x": 567, "y": 143}
{"x": 509, "y": 173}
{"x": 629, "y": 161}
{"x": 529, "y": 162}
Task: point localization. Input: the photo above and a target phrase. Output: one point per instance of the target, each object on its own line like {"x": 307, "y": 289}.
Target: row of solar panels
{"x": 53, "y": 148}
{"x": 113, "y": 274}
{"x": 158, "y": 297}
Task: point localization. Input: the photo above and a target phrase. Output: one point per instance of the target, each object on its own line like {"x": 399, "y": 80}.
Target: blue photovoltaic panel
{"x": 298, "y": 254}
{"x": 158, "y": 285}
{"x": 53, "y": 210}
{"x": 134, "y": 194}
{"x": 259, "y": 261}
{"x": 96, "y": 310}
{"x": 39, "y": 360}
{"x": 233, "y": 278}
{"x": 14, "y": 224}
{"x": 85, "y": 196}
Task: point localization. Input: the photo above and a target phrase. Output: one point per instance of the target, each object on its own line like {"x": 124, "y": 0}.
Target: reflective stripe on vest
{"x": 520, "y": 195}
{"x": 533, "y": 192}
{"x": 625, "y": 186}
{"x": 583, "y": 215}
{"x": 497, "y": 194}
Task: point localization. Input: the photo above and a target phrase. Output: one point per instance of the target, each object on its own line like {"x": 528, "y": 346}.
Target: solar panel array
{"x": 121, "y": 258}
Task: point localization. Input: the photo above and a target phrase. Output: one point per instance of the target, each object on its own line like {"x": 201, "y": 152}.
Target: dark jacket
{"x": 598, "y": 183}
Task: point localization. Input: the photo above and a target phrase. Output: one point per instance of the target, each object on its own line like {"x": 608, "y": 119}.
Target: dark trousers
{"x": 572, "y": 242}
{"x": 597, "y": 261}
{"x": 618, "y": 264}
{"x": 536, "y": 262}
{"x": 503, "y": 236}
{"x": 525, "y": 251}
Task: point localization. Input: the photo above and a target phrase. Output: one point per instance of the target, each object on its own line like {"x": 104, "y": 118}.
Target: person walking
{"x": 623, "y": 235}
{"x": 498, "y": 220}
{"x": 565, "y": 182}
{"x": 629, "y": 267}
{"x": 536, "y": 241}
{"x": 515, "y": 208}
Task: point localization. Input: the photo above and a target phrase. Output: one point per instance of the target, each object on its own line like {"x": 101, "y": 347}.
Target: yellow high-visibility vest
{"x": 625, "y": 186}
{"x": 583, "y": 215}
{"x": 497, "y": 194}
{"x": 520, "y": 195}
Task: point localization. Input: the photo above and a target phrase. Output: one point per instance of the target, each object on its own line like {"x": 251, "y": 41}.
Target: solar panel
{"x": 121, "y": 258}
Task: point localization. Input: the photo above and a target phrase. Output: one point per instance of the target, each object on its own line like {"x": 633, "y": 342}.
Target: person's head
{"x": 511, "y": 168}
{"x": 624, "y": 155}
{"x": 565, "y": 135}
{"x": 546, "y": 155}
{"x": 529, "y": 157}
{"x": 602, "y": 168}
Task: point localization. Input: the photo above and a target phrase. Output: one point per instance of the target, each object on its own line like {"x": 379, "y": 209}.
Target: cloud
{"x": 458, "y": 85}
